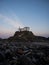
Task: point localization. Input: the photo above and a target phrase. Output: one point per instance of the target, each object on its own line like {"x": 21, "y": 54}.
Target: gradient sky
{"x": 31, "y": 13}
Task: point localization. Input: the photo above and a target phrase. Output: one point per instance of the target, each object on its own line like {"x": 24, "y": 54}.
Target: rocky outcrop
{"x": 27, "y": 36}
{"x": 22, "y": 36}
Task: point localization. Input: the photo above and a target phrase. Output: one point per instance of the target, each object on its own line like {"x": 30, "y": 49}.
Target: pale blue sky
{"x": 32, "y": 13}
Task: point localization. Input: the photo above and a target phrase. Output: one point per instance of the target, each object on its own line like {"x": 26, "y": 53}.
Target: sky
{"x": 24, "y": 13}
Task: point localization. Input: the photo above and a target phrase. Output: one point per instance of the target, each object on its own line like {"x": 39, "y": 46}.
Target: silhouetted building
{"x": 24, "y": 29}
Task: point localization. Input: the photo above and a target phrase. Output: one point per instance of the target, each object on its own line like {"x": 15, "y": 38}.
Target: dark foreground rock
{"x": 18, "y": 54}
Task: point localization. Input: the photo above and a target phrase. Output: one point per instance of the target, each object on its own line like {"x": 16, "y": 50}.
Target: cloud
{"x": 14, "y": 24}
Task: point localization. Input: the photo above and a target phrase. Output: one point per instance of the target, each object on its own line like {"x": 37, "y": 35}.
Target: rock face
{"x": 27, "y": 36}
{"x": 22, "y": 36}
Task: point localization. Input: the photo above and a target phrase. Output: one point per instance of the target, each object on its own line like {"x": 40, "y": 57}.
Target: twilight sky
{"x": 31, "y": 13}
